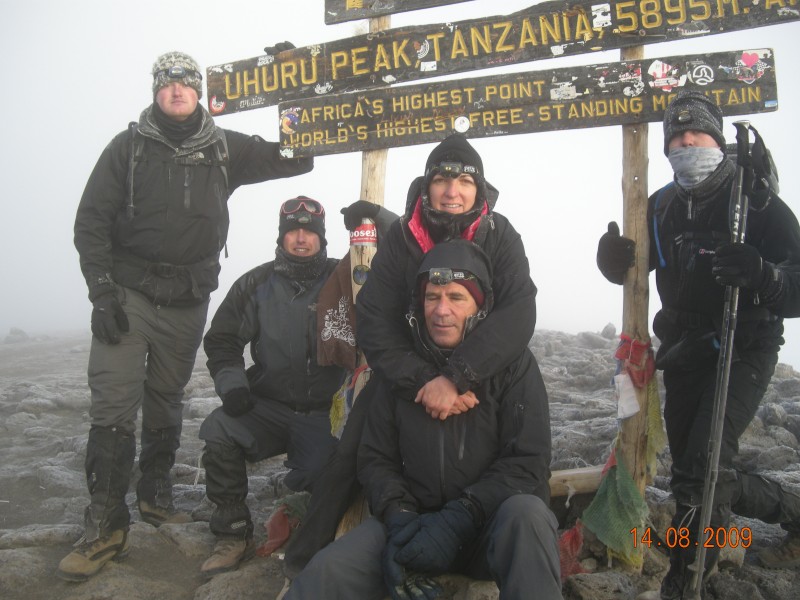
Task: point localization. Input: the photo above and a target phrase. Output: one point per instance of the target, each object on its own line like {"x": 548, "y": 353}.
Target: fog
{"x": 78, "y": 71}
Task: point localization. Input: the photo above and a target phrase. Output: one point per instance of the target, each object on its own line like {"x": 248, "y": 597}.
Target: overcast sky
{"x": 78, "y": 71}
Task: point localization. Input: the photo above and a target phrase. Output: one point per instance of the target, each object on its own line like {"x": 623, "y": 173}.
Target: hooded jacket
{"x": 169, "y": 250}
{"x": 277, "y": 316}
{"x": 686, "y": 226}
{"x": 499, "y": 448}
{"x": 382, "y": 332}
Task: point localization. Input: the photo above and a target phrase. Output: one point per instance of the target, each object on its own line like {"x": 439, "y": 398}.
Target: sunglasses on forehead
{"x": 306, "y": 204}
{"x": 179, "y": 72}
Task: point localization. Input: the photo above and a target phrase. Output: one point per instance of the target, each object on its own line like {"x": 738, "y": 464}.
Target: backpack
{"x": 137, "y": 151}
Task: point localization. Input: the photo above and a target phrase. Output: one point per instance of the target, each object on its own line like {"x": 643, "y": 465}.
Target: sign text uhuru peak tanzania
{"x": 542, "y": 31}
{"x": 740, "y": 82}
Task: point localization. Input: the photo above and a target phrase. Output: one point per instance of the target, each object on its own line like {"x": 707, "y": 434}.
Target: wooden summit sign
{"x": 615, "y": 93}
{"x": 339, "y": 11}
{"x": 543, "y": 31}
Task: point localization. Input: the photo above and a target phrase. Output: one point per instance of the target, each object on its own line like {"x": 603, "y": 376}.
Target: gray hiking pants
{"x": 517, "y": 548}
{"x": 150, "y": 366}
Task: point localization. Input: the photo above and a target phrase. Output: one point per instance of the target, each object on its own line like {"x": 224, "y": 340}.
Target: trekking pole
{"x": 739, "y": 205}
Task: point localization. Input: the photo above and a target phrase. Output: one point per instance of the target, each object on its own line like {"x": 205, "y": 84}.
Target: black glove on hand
{"x": 401, "y": 526}
{"x": 108, "y": 319}
{"x": 237, "y": 401}
{"x": 358, "y": 210}
{"x": 738, "y": 265}
{"x": 615, "y": 254}
{"x": 279, "y": 47}
{"x": 434, "y": 548}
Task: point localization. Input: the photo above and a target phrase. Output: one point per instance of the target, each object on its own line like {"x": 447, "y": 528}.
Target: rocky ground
{"x": 44, "y": 420}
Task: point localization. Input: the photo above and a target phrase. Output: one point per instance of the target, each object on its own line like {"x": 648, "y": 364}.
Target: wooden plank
{"x": 340, "y": 11}
{"x": 614, "y": 93}
{"x": 584, "y": 480}
{"x": 546, "y": 30}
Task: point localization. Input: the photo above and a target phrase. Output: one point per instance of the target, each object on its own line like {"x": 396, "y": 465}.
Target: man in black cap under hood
{"x": 451, "y": 200}
{"x": 488, "y": 518}
{"x": 694, "y": 260}
{"x": 282, "y": 402}
{"x": 149, "y": 229}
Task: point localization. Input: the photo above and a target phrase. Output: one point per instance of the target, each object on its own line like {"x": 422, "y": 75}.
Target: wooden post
{"x": 632, "y": 446}
{"x": 373, "y": 185}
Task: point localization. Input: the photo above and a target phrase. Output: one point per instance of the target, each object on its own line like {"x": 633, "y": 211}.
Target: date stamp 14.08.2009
{"x": 680, "y": 537}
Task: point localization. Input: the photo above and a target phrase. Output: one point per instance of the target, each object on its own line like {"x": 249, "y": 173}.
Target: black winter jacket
{"x": 278, "y": 318}
{"x": 497, "y": 449}
{"x": 685, "y": 228}
{"x": 169, "y": 250}
{"x": 383, "y": 302}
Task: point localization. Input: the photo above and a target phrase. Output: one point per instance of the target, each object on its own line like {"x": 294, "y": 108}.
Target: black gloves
{"x": 358, "y": 210}
{"x": 108, "y": 319}
{"x": 434, "y": 547}
{"x": 738, "y": 265}
{"x": 279, "y": 47}
{"x": 615, "y": 254}
{"x": 237, "y": 401}
{"x": 400, "y": 527}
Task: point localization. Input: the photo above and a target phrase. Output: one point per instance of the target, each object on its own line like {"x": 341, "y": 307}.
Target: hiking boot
{"x": 227, "y": 555}
{"x": 155, "y": 515}
{"x": 784, "y": 556}
{"x": 89, "y": 557}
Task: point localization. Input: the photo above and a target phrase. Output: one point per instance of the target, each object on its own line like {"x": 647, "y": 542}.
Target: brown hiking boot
{"x": 89, "y": 557}
{"x": 155, "y": 515}
{"x": 227, "y": 555}
{"x": 784, "y": 556}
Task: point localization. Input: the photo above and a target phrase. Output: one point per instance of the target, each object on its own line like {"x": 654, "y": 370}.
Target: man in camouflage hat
{"x": 694, "y": 261}
{"x": 149, "y": 230}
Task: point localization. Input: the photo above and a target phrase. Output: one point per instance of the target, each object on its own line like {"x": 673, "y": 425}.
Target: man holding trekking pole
{"x": 695, "y": 260}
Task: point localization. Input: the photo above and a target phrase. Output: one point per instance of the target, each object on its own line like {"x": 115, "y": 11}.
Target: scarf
{"x": 692, "y": 165}
{"x": 302, "y": 270}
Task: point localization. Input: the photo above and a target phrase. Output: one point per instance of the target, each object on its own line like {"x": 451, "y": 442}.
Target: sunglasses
{"x": 302, "y": 203}
{"x": 179, "y": 72}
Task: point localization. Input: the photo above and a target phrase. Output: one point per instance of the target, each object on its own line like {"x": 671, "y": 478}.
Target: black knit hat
{"x": 302, "y": 212}
{"x": 692, "y": 111}
{"x": 455, "y": 149}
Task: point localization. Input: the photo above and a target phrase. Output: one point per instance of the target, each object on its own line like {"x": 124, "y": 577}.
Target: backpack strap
{"x": 221, "y": 155}
{"x": 669, "y": 187}
{"x": 135, "y": 151}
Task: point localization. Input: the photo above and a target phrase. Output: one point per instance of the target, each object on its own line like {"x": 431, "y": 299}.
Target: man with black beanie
{"x": 282, "y": 402}
{"x": 694, "y": 261}
{"x": 149, "y": 229}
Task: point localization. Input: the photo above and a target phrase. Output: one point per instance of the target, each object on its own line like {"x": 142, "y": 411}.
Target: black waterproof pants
{"x": 337, "y": 487}
{"x": 688, "y": 414}
{"x": 517, "y": 548}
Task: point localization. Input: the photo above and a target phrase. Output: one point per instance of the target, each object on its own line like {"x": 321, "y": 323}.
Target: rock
{"x": 20, "y": 568}
{"x": 39, "y": 535}
{"x": 608, "y": 585}
{"x": 609, "y": 332}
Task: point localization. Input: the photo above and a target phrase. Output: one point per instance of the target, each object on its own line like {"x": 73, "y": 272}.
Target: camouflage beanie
{"x": 177, "y": 66}
{"x": 692, "y": 111}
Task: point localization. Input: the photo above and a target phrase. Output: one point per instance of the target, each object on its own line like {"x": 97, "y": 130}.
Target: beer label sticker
{"x": 365, "y": 234}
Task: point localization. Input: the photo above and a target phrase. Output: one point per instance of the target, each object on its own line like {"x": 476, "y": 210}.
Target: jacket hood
{"x": 457, "y": 255}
